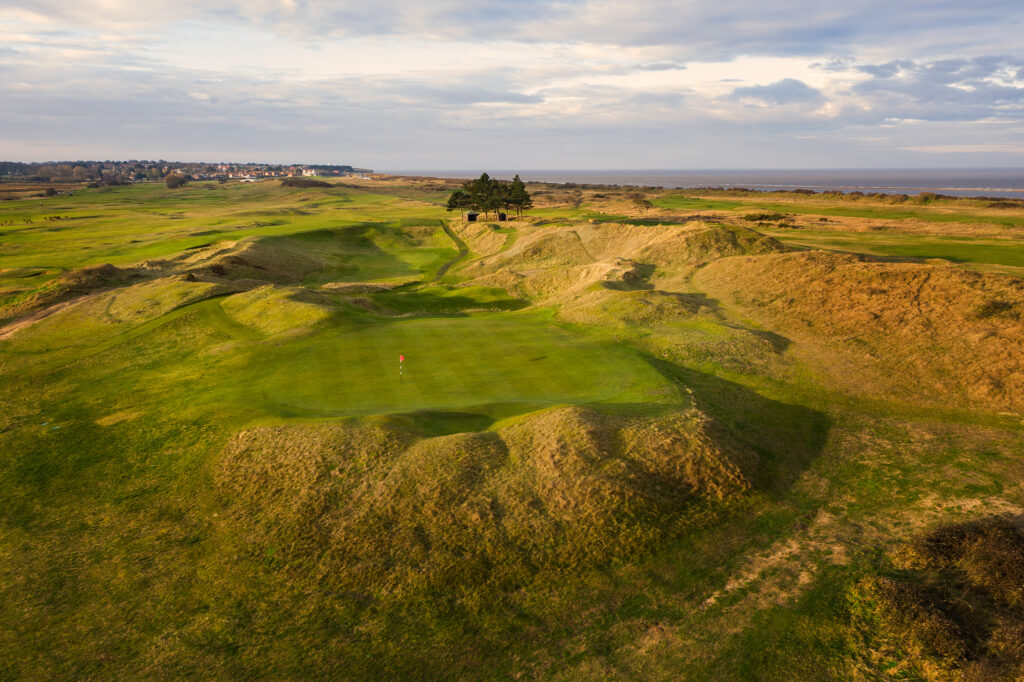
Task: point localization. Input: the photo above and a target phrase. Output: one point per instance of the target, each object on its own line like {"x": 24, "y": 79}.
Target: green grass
{"x": 686, "y": 202}
{"x": 121, "y": 557}
{"x": 960, "y": 250}
{"x": 350, "y": 366}
{"x": 127, "y": 224}
{"x": 451, "y": 364}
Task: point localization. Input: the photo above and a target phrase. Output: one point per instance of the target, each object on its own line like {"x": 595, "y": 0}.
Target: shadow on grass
{"x": 779, "y": 342}
{"x": 787, "y": 437}
{"x": 639, "y": 280}
{"x": 434, "y": 301}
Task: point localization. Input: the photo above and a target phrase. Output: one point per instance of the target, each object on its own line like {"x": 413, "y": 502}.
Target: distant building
{"x": 472, "y": 216}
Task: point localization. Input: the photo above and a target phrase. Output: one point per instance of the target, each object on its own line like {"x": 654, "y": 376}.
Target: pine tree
{"x": 482, "y": 193}
{"x": 487, "y": 194}
{"x": 519, "y": 197}
{"x": 459, "y": 199}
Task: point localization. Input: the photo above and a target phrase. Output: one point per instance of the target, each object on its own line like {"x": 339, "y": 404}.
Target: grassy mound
{"x": 703, "y": 245}
{"x": 601, "y": 274}
{"x": 368, "y": 252}
{"x": 956, "y": 604}
{"x": 66, "y": 286}
{"x": 674, "y": 245}
{"x": 272, "y": 309}
{"x": 149, "y": 300}
{"x": 482, "y": 238}
{"x": 92, "y": 278}
{"x": 349, "y": 288}
{"x": 559, "y": 284}
{"x": 374, "y": 505}
{"x": 251, "y": 259}
{"x": 93, "y": 319}
{"x": 662, "y": 245}
{"x": 932, "y": 329}
{"x": 607, "y": 307}
{"x": 545, "y": 249}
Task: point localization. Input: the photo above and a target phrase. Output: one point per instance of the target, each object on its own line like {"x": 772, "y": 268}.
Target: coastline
{"x": 985, "y": 183}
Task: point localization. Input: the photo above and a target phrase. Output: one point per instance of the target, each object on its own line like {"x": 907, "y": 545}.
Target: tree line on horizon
{"x": 487, "y": 194}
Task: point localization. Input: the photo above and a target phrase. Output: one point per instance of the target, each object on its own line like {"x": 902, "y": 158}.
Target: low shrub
{"x": 763, "y": 217}
{"x": 304, "y": 182}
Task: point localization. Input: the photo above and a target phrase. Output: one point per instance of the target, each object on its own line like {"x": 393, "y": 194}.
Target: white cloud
{"x": 968, "y": 148}
{"x": 558, "y": 80}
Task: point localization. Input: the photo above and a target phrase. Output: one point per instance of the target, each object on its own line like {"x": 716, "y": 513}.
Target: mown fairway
{"x": 628, "y": 442}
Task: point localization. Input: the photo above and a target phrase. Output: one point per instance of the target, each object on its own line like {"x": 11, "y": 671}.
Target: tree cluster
{"x": 175, "y": 180}
{"x": 487, "y": 194}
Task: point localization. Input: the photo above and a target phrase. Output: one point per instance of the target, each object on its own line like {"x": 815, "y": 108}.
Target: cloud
{"x": 969, "y": 148}
{"x": 785, "y": 91}
{"x": 711, "y": 31}
{"x": 947, "y": 89}
{"x": 661, "y": 66}
{"x": 886, "y": 70}
{"x": 564, "y": 82}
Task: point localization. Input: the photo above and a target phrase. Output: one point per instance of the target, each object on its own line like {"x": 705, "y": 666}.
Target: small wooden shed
{"x": 472, "y": 216}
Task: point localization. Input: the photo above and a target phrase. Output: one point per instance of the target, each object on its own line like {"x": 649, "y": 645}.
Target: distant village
{"x": 155, "y": 171}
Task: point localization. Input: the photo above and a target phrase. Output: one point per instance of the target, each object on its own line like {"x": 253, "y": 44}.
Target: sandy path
{"x": 12, "y": 328}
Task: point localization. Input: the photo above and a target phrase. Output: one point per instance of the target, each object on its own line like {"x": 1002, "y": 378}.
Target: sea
{"x": 964, "y": 182}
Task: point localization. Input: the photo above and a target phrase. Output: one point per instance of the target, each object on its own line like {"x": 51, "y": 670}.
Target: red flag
{"x": 401, "y": 358}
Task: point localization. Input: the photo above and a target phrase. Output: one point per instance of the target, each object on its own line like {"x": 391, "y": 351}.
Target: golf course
{"x": 332, "y": 430}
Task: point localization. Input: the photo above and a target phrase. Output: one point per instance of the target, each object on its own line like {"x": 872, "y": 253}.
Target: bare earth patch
{"x": 118, "y": 417}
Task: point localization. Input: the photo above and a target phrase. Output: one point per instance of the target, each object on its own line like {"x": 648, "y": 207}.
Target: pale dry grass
{"x": 119, "y": 417}
{"x": 605, "y": 273}
{"x": 661, "y": 245}
{"x": 481, "y": 237}
{"x": 937, "y": 333}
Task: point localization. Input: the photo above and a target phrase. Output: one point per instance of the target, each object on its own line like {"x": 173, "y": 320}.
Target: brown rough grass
{"x": 604, "y": 273}
{"x": 956, "y": 607}
{"x": 662, "y": 245}
{"x": 939, "y": 333}
{"x": 377, "y": 508}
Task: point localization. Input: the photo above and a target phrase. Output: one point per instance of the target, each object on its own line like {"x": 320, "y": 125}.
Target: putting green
{"x": 451, "y": 363}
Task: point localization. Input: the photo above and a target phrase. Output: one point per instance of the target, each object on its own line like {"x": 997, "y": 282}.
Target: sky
{"x": 532, "y": 84}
